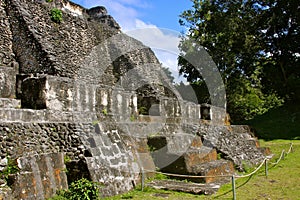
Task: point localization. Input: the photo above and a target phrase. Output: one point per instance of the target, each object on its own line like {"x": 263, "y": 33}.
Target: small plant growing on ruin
{"x": 104, "y": 112}
{"x": 49, "y": 1}
{"x": 82, "y": 189}
{"x": 11, "y": 168}
{"x": 95, "y": 122}
{"x": 132, "y": 118}
{"x": 142, "y": 110}
{"x": 67, "y": 159}
{"x": 56, "y": 15}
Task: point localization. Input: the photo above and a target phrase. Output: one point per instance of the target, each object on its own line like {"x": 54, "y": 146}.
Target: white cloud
{"x": 159, "y": 38}
{"x": 164, "y": 42}
{"x": 125, "y": 12}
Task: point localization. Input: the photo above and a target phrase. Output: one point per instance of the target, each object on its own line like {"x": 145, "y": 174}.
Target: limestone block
{"x": 7, "y": 82}
{"x": 214, "y": 168}
{"x": 40, "y": 176}
{"x": 180, "y": 186}
{"x": 9, "y": 103}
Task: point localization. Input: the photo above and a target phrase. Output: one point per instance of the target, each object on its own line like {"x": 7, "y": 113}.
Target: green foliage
{"x": 60, "y": 195}
{"x": 11, "y": 168}
{"x": 56, "y": 15}
{"x": 168, "y": 74}
{"x": 196, "y": 92}
{"x": 254, "y": 47}
{"x": 82, "y": 189}
{"x": 159, "y": 176}
{"x": 152, "y": 148}
{"x": 95, "y": 122}
{"x": 132, "y": 118}
{"x": 104, "y": 112}
{"x": 67, "y": 159}
{"x": 49, "y": 1}
{"x": 142, "y": 110}
{"x": 246, "y": 100}
{"x": 278, "y": 123}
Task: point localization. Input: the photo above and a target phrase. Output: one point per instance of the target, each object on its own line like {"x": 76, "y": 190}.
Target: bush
{"x": 56, "y": 15}
{"x": 10, "y": 169}
{"x": 82, "y": 189}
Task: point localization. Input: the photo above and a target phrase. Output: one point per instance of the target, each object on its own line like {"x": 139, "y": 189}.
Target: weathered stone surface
{"x": 5, "y": 193}
{"x": 7, "y": 82}
{"x": 89, "y": 82}
{"x": 214, "y": 170}
{"x": 235, "y": 146}
{"x": 197, "y": 156}
{"x": 10, "y": 103}
{"x": 3, "y": 163}
{"x": 193, "y": 188}
{"x": 40, "y": 176}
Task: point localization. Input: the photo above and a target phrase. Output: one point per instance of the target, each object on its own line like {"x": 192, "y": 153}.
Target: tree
{"x": 168, "y": 74}
{"x": 254, "y": 54}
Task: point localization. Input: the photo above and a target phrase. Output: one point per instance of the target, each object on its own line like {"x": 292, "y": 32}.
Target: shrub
{"x": 11, "y": 168}
{"x": 56, "y": 15}
{"x": 82, "y": 189}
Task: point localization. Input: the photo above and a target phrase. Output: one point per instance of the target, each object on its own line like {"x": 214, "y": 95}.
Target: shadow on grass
{"x": 221, "y": 195}
{"x": 279, "y": 123}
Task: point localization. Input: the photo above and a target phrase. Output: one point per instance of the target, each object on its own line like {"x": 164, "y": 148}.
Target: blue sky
{"x": 154, "y": 22}
{"x": 161, "y": 13}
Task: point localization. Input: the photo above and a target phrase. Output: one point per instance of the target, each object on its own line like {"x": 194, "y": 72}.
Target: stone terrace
{"x": 71, "y": 97}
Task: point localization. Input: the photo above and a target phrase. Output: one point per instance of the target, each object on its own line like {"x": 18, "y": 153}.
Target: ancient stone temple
{"x": 81, "y": 99}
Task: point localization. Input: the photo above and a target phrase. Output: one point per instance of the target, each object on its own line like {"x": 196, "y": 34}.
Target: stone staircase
{"x": 213, "y": 153}
{"x": 188, "y": 187}
{"x": 196, "y": 160}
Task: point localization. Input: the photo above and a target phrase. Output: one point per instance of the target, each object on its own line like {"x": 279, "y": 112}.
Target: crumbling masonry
{"x": 75, "y": 90}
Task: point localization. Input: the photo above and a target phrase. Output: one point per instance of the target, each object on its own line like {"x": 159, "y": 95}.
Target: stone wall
{"x": 82, "y": 86}
{"x": 40, "y": 176}
{"x": 112, "y": 157}
{"x": 8, "y": 65}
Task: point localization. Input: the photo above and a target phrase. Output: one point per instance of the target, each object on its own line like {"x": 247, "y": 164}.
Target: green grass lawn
{"x": 283, "y": 180}
{"x": 278, "y": 128}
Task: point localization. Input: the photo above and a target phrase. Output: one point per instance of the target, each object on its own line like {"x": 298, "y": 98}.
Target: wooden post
{"x": 233, "y": 187}
{"x": 143, "y": 178}
{"x": 266, "y": 168}
{"x": 292, "y": 148}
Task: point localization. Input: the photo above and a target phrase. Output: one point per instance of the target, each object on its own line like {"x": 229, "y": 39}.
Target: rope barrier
{"x": 279, "y": 159}
{"x": 258, "y": 168}
{"x": 264, "y": 162}
{"x": 186, "y": 176}
{"x": 282, "y": 155}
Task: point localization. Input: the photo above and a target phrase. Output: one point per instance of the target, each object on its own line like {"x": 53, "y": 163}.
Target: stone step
{"x": 175, "y": 144}
{"x": 10, "y": 103}
{"x": 183, "y": 163}
{"x": 188, "y": 187}
{"x": 213, "y": 168}
{"x": 198, "y": 156}
{"x": 41, "y": 116}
